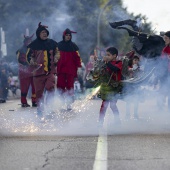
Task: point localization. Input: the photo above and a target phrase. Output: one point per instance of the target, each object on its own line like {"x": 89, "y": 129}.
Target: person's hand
{"x": 168, "y": 57}
{"x": 55, "y": 59}
{"x": 33, "y": 63}
{"x": 135, "y": 66}
{"x": 57, "y": 56}
{"x": 95, "y": 55}
{"x": 105, "y": 59}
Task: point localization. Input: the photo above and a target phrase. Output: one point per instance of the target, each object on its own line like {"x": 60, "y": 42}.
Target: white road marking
{"x": 100, "y": 162}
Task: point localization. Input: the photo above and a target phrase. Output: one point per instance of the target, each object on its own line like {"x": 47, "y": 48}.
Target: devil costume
{"x": 25, "y": 74}
{"x": 41, "y": 55}
{"x": 110, "y": 88}
{"x": 67, "y": 65}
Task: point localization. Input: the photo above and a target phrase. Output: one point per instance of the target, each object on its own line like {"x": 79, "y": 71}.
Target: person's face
{"x": 110, "y": 56}
{"x": 3, "y": 71}
{"x": 135, "y": 61}
{"x": 102, "y": 53}
{"x": 67, "y": 37}
{"x": 28, "y": 42}
{"x": 91, "y": 58}
{"x": 43, "y": 35}
{"x": 167, "y": 40}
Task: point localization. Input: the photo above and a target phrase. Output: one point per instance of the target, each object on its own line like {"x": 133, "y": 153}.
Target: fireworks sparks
{"x": 84, "y": 115}
{"x": 24, "y": 121}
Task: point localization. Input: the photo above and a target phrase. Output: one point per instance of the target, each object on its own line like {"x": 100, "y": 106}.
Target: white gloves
{"x": 135, "y": 66}
{"x": 79, "y": 70}
{"x": 32, "y": 62}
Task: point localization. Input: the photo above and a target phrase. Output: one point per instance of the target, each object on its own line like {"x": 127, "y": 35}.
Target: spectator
{"x": 3, "y": 85}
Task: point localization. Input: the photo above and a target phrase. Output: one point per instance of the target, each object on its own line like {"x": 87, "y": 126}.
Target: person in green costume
{"x": 110, "y": 84}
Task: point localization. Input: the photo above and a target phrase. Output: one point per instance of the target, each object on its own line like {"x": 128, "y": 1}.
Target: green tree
{"x": 80, "y": 15}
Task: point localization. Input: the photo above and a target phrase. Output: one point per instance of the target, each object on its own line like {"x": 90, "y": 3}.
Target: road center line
{"x": 100, "y": 162}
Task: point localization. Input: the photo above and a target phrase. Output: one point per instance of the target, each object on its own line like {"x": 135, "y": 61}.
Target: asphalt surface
{"x": 73, "y": 141}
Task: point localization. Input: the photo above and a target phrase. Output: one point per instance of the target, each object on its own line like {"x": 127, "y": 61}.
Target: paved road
{"x": 72, "y": 140}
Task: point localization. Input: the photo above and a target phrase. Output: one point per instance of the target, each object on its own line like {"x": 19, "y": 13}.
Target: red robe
{"x": 67, "y": 66}
{"x": 68, "y": 63}
{"x": 166, "y": 54}
{"x": 25, "y": 76}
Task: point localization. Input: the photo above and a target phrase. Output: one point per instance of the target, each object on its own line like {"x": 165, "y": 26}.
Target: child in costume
{"x": 111, "y": 84}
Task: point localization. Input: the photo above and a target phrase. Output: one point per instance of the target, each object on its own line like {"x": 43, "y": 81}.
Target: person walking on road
{"x": 67, "y": 67}
{"x": 42, "y": 54}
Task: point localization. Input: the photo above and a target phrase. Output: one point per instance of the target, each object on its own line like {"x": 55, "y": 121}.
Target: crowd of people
{"x": 43, "y": 59}
{"x": 7, "y": 81}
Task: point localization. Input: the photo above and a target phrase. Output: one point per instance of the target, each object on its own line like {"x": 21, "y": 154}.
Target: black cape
{"x": 67, "y": 46}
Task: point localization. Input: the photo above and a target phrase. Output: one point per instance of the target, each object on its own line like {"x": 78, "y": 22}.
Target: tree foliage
{"x": 81, "y": 16}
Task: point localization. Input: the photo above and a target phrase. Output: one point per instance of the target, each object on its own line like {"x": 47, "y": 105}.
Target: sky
{"x": 157, "y": 12}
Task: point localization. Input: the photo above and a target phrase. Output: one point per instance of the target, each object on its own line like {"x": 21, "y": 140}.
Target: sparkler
{"x": 93, "y": 93}
{"x": 78, "y": 107}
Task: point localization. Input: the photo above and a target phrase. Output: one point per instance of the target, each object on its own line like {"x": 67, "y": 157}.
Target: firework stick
{"x": 39, "y": 65}
{"x": 95, "y": 54}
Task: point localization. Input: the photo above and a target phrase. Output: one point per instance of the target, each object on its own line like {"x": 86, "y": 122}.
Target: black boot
{"x": 34, "y": 104}
{"x": 25, "y": 105}
{"x": 2, "y": 100}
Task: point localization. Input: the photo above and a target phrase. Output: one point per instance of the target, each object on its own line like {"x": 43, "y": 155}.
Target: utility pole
{"x": 98, "y": 22}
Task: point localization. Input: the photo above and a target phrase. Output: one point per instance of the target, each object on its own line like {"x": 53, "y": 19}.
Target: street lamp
{"x": 98, "y": 22}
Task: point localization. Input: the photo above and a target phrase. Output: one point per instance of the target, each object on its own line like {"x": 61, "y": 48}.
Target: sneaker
{"x": 25, "y": 105}
{"x": 34, "y": 104}
{"x": 2, "y": 101}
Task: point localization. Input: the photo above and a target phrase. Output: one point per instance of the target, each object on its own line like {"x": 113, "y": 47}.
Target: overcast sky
{"x": 157, "y": 12}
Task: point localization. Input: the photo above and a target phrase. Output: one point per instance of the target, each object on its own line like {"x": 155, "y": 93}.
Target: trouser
{"x": 65, "y": 85}
{"x": 128, "y": 104}
{"x": 163, "y": 93}
{"x": 44, "y": 83}
{"x": 4, "y": 92}
{"x": 104, "y": 107}
{"x": 25, "y": 83}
